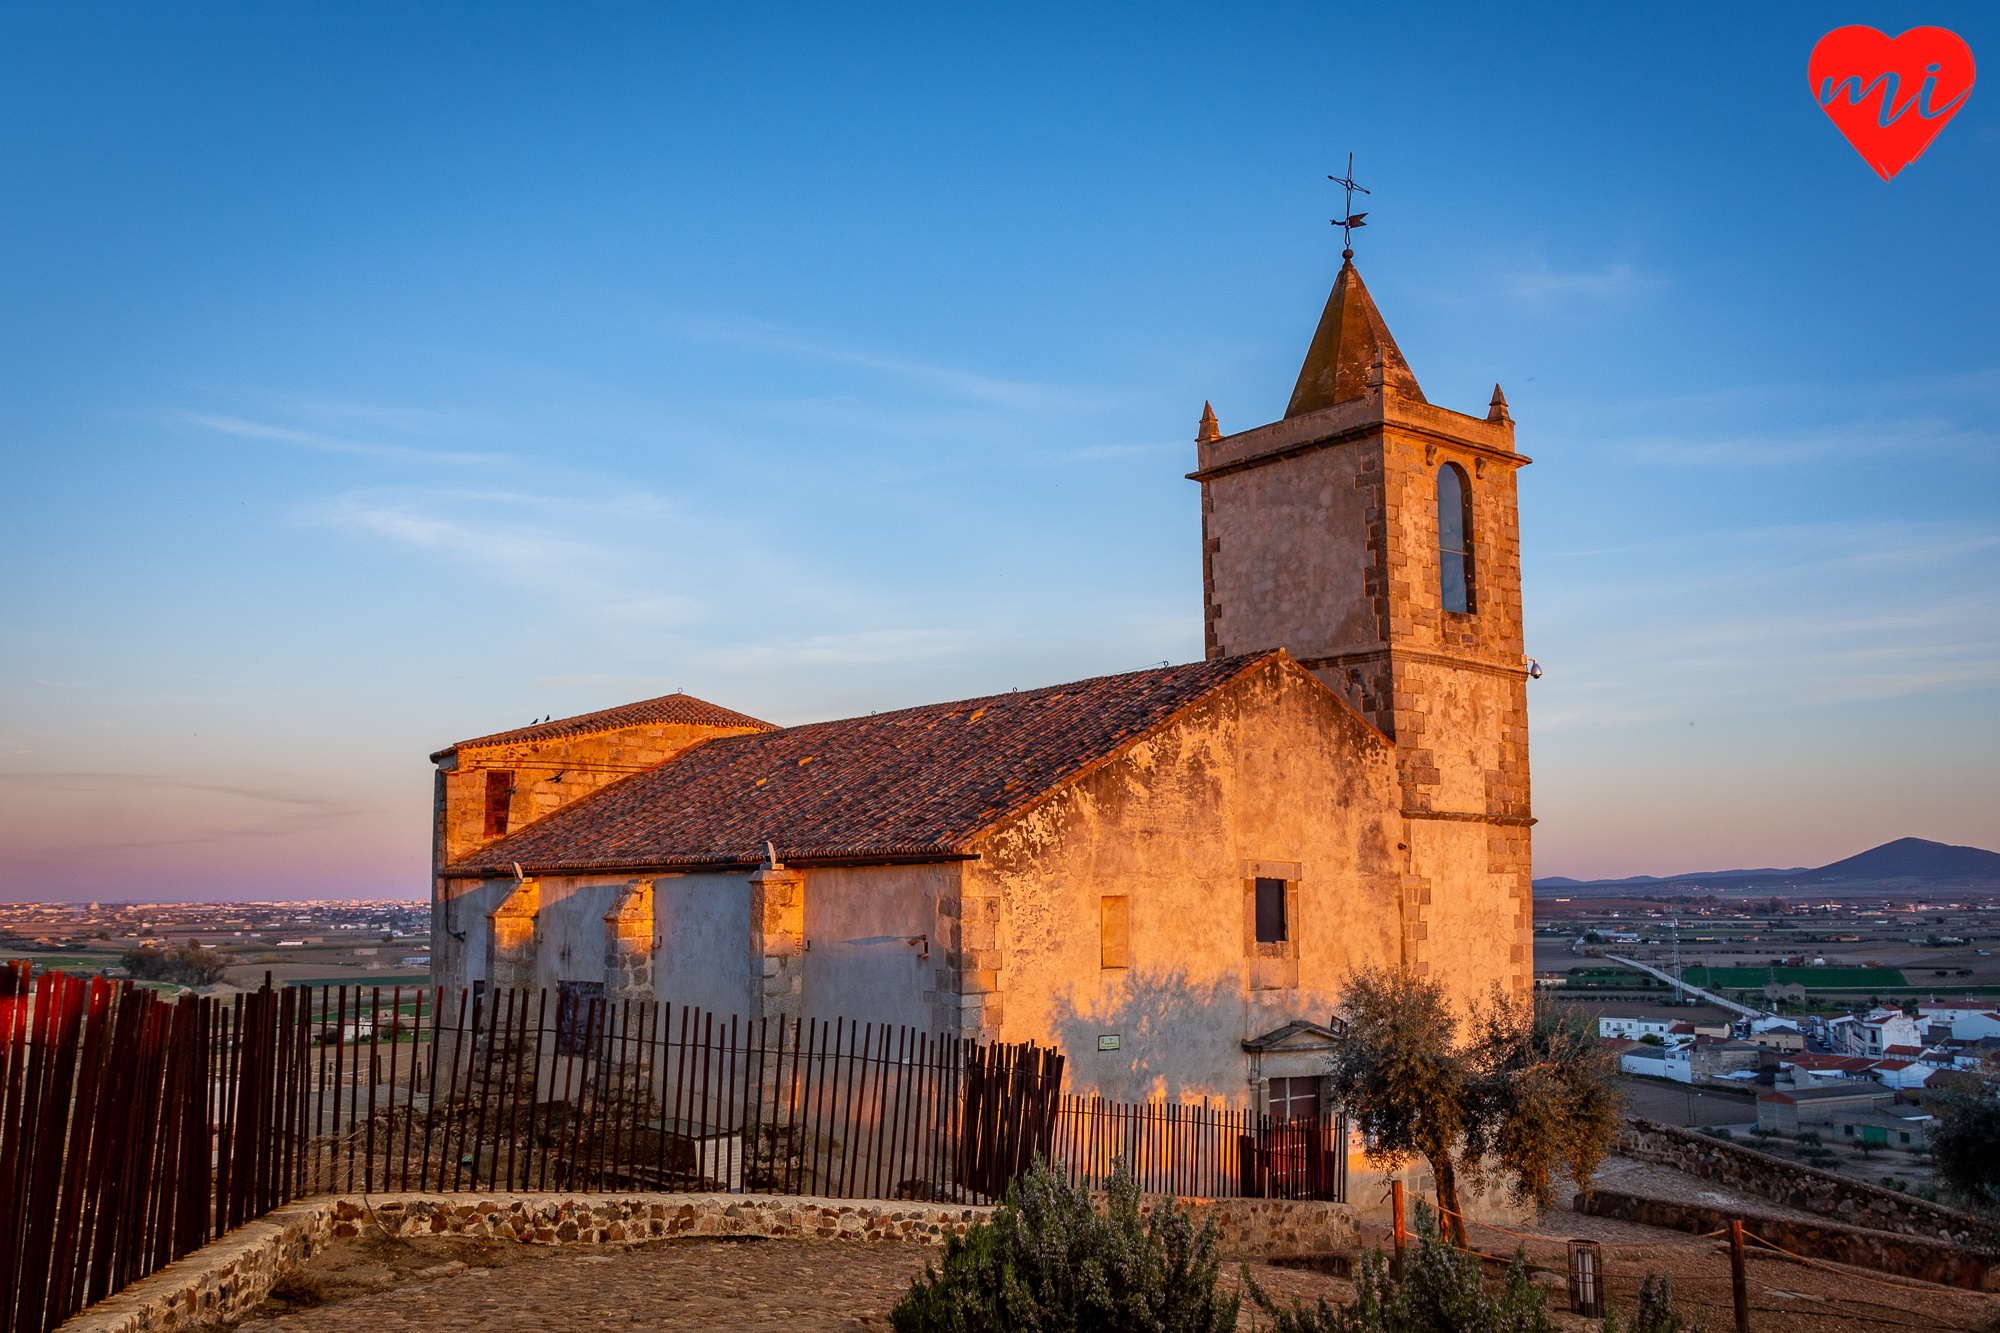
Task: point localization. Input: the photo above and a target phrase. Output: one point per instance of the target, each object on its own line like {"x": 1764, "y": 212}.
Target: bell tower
{"x": 1375, "y": 537}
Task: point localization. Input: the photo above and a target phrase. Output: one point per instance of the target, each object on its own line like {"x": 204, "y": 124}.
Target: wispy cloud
{"x": 153, "y": 810}
{"x": 321, "y": 443}
{"x": 861, "y": 648}
{"x": 1929, "y": 436}
{"x": 1716, "y": 625}
{"x": 609, "y": 555}
{"x": 1020, "y": 395}
{"x": 1611, "y": 282}
{"x": 606, "y": 681}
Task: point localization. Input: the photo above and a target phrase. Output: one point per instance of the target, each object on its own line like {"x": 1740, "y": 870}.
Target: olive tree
{"x": 1529, "y": 1088}
{"x": 1545, "y": 1099}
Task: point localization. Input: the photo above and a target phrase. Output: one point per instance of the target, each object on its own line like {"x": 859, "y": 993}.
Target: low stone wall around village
{"x": 1903, "y": 1255}
{"x": 222, "y": 1281}
{"x": 1799, "y": 1186}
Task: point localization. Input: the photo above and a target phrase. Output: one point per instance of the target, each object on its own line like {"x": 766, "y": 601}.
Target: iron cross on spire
{"x": 1352, "y": 219}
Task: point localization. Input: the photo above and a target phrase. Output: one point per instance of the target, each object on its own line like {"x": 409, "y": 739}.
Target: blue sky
{"x": 376, "y": 376}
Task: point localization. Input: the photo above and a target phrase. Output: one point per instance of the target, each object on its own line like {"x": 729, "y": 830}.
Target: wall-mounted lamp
{"x": 1534, "y": 669}
{"x": 923, "y": 942}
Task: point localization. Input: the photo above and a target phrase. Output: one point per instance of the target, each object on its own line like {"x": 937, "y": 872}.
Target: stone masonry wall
{"x": 1905, "y": 1256}
{"x": 222, "y": 1281}
{"x": 1800, "y": 1186}
{"x": 550, "y": 774}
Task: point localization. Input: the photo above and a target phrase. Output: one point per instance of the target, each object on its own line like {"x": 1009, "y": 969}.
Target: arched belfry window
{"x": 1454, "y": 539}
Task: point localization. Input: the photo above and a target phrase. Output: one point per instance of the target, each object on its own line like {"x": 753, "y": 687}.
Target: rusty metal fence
{"x": 133, "y": 1130}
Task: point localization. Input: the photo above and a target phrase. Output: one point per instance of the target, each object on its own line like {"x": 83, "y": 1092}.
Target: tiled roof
{"x": 919, "y": 783}
{"x": 680, "y": 708}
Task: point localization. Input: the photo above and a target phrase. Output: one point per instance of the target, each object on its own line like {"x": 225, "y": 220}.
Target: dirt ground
{"x": 801, "y": 1286}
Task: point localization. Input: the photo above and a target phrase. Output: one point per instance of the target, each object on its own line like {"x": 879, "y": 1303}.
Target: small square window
{"x": 1271, "y": 911}
{"x": 1847, "y": 1130}
{"x": 1906, "y": 1138}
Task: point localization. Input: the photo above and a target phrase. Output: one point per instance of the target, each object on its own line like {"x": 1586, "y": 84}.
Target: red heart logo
{"x": 1890, "y": 96}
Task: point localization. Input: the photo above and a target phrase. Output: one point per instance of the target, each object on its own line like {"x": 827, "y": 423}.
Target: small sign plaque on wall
{"x": 1108, "y": 1042}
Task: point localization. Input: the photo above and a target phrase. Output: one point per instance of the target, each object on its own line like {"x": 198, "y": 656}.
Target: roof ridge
{"x": 1036, "y": 691}
{"x": 909, "y": 781}
{"x": 618, "y": 717}
{"x": 1249, "y": 661}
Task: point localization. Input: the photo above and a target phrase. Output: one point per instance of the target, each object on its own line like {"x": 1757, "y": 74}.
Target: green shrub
{"x": 1047, "y": 1261}
{"x": 1441, "y": 1292}
{"x": 1656, "y": 1311}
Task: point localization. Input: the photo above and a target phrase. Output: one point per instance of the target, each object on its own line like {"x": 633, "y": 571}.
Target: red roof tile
{"x": 680, "y": 708}
{"x": 916, "y": 783}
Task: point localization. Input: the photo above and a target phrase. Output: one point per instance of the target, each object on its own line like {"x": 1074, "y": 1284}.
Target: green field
{"x": 1754, "y": 978}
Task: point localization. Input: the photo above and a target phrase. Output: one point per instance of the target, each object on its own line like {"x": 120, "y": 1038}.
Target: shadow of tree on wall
{"x": 1180, "y": 1039}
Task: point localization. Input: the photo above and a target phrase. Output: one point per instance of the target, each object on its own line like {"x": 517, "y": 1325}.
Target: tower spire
{"x": 1351, "y": 335}
{"x": 1210, "y": 429}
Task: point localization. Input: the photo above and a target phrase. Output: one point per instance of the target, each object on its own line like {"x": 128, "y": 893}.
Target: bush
{"x": 1656, "y": 1311}
{"x": 1965, "y": 1145}
{"x": 1441, "y": 1292}
{"x": 187, "y": 965}
{"x": 1048, "y": 1261}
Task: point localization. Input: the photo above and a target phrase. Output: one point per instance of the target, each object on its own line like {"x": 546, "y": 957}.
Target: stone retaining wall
{"x": 225, "y": 1279}
{"x": 220, "y": 1281}
{"x": 1798, "y": 1185}
{"x": 1903, "y": 1255}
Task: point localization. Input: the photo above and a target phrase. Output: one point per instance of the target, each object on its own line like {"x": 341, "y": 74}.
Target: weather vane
{"x": 1353, "y": 219}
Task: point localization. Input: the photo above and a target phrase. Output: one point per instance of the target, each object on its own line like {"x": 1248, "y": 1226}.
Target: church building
{"x": 1167, "y": 873}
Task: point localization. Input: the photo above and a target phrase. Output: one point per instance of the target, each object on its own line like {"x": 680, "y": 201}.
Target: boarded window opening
{"x": 1116, "y": 932}
{"x": 1271, "y": 911}
{"x": 579, "y": 1010}
{"x": 499, "y": 793}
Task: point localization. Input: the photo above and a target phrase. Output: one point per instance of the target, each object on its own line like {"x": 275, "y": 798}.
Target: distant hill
{"x": 1911, "y": 859}
{"x": 1915, "y": 857}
